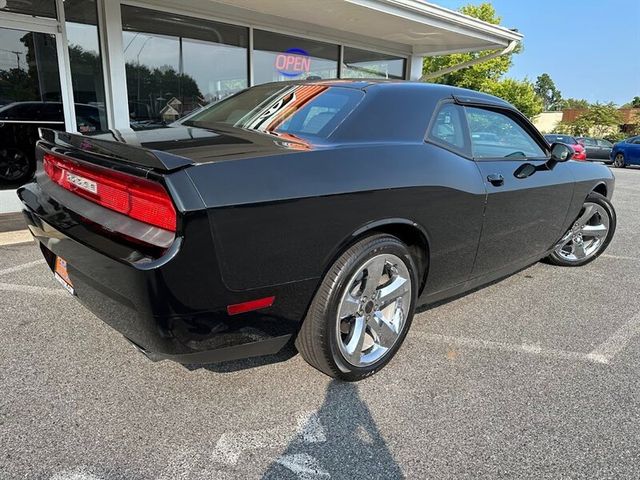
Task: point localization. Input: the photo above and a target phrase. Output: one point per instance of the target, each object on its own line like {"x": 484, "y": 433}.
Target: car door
{"x": 632, "y": 151}
{"x": 591, "y": 148}
{"x": 525, "y": 208}
{"x": 604, "y": 148}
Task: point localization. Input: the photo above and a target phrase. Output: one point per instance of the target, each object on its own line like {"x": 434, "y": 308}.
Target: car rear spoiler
{"x": 115, "y": 149}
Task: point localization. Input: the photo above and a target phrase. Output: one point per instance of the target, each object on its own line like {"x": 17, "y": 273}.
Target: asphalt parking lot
{"x": 533, "y": 377}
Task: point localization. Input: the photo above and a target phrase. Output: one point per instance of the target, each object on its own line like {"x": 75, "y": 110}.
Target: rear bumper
{"x": 173, "y": 307}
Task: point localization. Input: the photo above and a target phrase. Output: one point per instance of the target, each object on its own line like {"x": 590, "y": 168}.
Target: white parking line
{"x": 10, "y": 287}
{"x": 507, "y": 347}
{"x": 18, "y": 268}
{"x": 303, "y": 465}
{"x": 617, "y": 342}
{"x": 230, "y": 446}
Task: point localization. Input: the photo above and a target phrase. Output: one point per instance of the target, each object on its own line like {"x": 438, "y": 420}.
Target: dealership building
{"x": 92, "y": 65}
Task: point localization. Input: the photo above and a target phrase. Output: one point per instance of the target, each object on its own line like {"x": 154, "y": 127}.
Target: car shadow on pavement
{"x": 288, "y": 352}
{"x": 340, "y": 441}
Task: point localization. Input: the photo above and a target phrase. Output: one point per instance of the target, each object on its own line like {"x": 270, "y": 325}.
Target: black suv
{"x": 19, "y": 123}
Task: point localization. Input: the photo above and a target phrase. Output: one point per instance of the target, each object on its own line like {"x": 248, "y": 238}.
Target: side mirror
{"x": 561, "y": 152}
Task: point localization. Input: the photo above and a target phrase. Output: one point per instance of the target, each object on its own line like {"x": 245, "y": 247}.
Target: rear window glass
{"x": 294, "y": 109}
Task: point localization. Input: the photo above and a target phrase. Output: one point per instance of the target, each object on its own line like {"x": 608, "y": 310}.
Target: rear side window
{"x": 589, "y": 141}
{"x": 447, "y": 128}
{"x": 605, "y": 143}
{"x": 495, "y": 135}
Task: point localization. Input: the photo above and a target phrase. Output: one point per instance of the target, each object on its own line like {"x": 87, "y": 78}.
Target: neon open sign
{"x": 293, "y": 63}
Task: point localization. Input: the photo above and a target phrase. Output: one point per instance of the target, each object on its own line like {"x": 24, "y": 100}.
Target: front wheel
{"x": 362, "y": 311}
{"x": 589, "y": 235}
{"x": 618, "y": 161}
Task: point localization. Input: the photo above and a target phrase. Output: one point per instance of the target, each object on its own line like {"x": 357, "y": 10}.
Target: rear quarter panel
{"x": 283, "y": 219}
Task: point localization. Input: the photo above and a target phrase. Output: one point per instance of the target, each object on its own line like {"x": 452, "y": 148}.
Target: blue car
{"x": 626, "y": 152}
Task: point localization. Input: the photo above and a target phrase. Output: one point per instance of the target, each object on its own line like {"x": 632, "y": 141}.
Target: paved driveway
{"x": 533, "y": 377}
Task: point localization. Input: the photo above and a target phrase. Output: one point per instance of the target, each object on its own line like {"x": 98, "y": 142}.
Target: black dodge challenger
{"x": 316, "y": 212}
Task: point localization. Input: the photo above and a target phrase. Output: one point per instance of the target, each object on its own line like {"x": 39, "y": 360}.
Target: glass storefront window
{"x": 39, "y": 8}
{"x": 364, "y": 64}
{"x": 86, "y": 65}
{"x": 279, "y": 57}
{"x": 177, "y": 64}
{"x": 30, "y": 97}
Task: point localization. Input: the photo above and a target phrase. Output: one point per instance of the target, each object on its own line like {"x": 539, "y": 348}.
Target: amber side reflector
{"x": 250, "y": 306}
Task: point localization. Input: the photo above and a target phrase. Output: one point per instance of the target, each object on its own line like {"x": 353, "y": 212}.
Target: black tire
{"x": 618, "y": 161}
{"x": 557, "y": 259}
{"x": 16, "y": 168}
{"x": 317, "y": 340}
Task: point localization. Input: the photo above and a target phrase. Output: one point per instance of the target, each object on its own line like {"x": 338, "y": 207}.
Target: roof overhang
{"x": 408, "y": 27}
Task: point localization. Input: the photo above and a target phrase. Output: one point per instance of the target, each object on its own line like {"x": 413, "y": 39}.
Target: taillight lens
{"x": 137, "y": 198}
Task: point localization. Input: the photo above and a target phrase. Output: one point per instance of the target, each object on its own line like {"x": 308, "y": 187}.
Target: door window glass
{"x": 605, "y": 143}
{"x": 86, "y": 65}
{"x": 589, "y": 142}
{"x": 177, "y": 64}
{"x": 495, "y": 135}
{"x": 28, "y": 67}
{"x": 30, "y": 98}
{"x": 447, "y": 127}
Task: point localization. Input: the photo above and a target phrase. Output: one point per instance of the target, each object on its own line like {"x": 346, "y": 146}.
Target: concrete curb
{"x": 12, "y": 238}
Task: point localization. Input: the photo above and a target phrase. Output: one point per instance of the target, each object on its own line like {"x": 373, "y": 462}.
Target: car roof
{"x": 462, "y": 94}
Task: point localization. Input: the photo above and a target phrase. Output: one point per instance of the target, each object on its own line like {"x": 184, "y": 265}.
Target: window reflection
{"x": 365, "y": 64}
{"x": 30, "y": 98}
{"x": 177, "y": 64}
{"x": 86, "y": 65}
{"x": 279, "y": 57}
{"x": 40, "y": 8}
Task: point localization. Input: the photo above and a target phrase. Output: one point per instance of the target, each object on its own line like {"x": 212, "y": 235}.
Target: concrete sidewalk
{"x": 9, "y": 202}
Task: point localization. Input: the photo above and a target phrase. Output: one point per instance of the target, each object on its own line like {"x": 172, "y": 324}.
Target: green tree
{"x": 476, "y": 76}
{"x": 604, "y": 118}
{"x": 546, "y": 89}
{"x": 599, "y": 120}
{"x": 635, "y": 103}
{"x": 575, "y": 103}
{"x": 520, "y": 93}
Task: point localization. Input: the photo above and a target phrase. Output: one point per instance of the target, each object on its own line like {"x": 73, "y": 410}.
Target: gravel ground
{"x": 532, "y": 377}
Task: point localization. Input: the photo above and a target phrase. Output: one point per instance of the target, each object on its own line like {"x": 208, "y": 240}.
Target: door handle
{"x": 496, "y": 179}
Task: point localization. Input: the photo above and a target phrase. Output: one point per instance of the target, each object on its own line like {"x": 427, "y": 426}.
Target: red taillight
{"x": 134, "y": 197}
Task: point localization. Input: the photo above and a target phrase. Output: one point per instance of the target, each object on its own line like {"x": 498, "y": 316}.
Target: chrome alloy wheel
{"x": 586, "y": 236}
{"x": 618, "y": 161}
{"x": 373, "y": 310}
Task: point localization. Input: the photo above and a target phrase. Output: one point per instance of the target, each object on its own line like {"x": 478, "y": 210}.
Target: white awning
{"x": 410, "y": 27}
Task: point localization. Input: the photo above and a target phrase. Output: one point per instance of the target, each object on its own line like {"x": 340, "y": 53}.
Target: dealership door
{"x": 31, "y": 93}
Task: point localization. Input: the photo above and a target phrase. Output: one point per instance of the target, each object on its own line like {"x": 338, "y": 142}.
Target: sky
{"x": 590, "y": 48}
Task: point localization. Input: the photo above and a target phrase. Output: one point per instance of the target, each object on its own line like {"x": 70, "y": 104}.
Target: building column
{"x": 115, "y": 80}
{"x": 414, "y": 69}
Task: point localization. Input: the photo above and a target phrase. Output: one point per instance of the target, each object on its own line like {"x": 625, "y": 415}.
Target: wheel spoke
{"x": 578, "y": 250}
{"x": 397, "y": 288}
{"x": 385, "y": 330}
{"x": 597, "y": 231}
{"x": 349, "y": 307}
{"x": 565, "y": 240}
{"x": 375, "y": 270}
{"x": 589, "y": 211}
{"x": 353, "y": 349}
